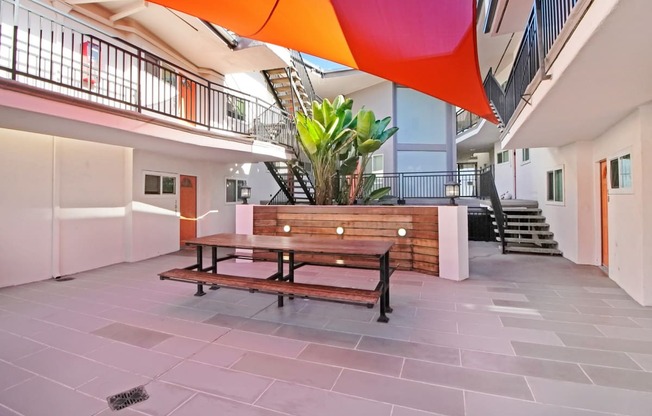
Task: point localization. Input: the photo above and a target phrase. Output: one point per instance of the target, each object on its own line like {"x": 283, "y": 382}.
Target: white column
{"x": 453, "y": 242}
{"x": 244, "y": 224}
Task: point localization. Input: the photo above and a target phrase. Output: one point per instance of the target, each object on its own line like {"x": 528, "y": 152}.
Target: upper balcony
{"x": 62, "y": 76}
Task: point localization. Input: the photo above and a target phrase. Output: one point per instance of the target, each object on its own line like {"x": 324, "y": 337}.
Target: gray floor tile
{"x": 616, "y": 377}
{"x": 53, "y": 398}
{"x": 70, "y": 340}
{"x": 631, "y": 313}
{"x": 478, "y": 404}
{"x": 293, "y": 371}
{"x": 306, "y": 401}
{"x": 15, "y": 347}
{"x": 112, "y": 381}
{"x": 12, "y": 375}
{"x": 517, "y": 334}
{"x": 469, "y": 342}
{"x": 609, "y": 344}
{"x": 218, "y": 355}
{"x": 262, "y": 343}
{"x": 347, "y": 358}
{"x": 219, "y": 381}
{"x": 640, "y": 334}
{"x": 134, "y": 359}
{"x": 404, "y": 411}
{"x": 569, "y": 327}
{"x": 575, "y": 355}
{"x": 203, "y": 405}
{"x": 180, "y": 347}
{"x": 590, "y": 397}
{"x": 23, "y": 325}
{"x": 524, "y": 366}
{"x": 425, "y": 352}
{"x": 406, "y": 393}
{"x": 319, "y": 336}
{"x": 645, "y": 323}
{"x": 371, "y": 329}
{"x": 569, "y": 301}
{"x": 589, "y": 319}
{"x": 467, "y": 378}
{"x": 139, "y": 337}
{"x": 536, "y": 306}
{"x": 75, "y": 320}
{"x": 71, "y": 370}
{"x": 644, "y": 360}
{"x": 163, "y": 398}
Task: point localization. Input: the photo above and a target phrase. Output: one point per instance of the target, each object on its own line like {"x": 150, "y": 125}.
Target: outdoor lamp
{"x": 245, "y": 193}
{"x": 287, "y": 228}
{"x": 452, "y": 191}
{"x": 402, "y": 232}
{"x": 339, "y": 230}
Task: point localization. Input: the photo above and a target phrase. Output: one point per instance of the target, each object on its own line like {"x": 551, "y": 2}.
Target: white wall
{"x": 503, "y": 173}
{"x": 524, "y": 177}
{"x": 379, "y": 99}
{"x": 26, "y": 209}
{"x": 252, "y": 82}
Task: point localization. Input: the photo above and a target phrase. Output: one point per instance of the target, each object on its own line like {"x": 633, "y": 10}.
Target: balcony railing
{"x": 58, "y": 53}
{"x": 464, "y": 120}
{"x": 544, "y": 26}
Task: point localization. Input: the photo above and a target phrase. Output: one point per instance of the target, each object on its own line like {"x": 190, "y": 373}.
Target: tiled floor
{"x": 524, "y": 336}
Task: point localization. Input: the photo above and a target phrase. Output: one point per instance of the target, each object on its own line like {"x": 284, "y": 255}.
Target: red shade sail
{"x": 427, "y": 45}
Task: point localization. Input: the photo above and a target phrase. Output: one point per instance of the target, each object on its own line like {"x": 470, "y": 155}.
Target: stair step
{"x": 538, "y": 250}
{"x": 526, "y": 232}
{"x": 535, "y": 241}
{"x": 525, "y": 224}
{"x": 276, "y": 71}
{"x": 518, "y": 210}
{"x": 526, "y": 217}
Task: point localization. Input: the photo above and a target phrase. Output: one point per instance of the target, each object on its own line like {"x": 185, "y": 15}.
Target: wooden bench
{"x": 280, "y": 288}
{"x": 322, "y": 260}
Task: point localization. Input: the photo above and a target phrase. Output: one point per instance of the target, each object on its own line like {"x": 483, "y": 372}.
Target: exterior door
{"x": 604, "y": 199}
{"x": 187, "y": 98}
{"x": 188, "y": 208}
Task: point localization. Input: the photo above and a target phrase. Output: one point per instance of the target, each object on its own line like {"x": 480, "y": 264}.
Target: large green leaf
{"x": 349, "y": 166}
{"x": 377, "y": 194}
{"x": 368, "y": 146}
{"x": 366, "y": 120}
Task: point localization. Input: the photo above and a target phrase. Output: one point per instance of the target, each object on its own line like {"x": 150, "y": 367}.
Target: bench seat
{"x": 339, "y": 294}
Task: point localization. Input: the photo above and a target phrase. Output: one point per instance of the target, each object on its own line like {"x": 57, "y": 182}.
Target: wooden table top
{"x": 297, "y": 244}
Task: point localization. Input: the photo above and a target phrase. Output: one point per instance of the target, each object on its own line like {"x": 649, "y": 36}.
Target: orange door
{"x": 187, "y": 99}
{"x": 188, "y": 207}
{"x": 604, "y": 199}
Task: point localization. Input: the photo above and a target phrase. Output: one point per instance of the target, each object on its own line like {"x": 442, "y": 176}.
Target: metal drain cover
{"x": 127, "y": 398}
{"x": 63, "y": 279}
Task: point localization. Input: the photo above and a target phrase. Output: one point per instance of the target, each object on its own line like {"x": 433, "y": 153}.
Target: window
{"x": 526, "y": 155}
{"x": 555, "y": 185}
{"x": 235, "y": 107}
{"x": 233, "y": 189}
{"x": 621, "y": 172}
{"x": 376, "y": 164}
{"x": 502, "y": 157}
{"x": 160, "y": 184}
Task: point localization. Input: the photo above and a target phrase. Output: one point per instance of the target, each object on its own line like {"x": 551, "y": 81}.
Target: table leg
{"x": 291, "y": 271}
{"x": 279, "y": 264}
{"x": 383, "y": 293}
{"x": 387, "y": 277}
{"x": 214, "y": 265}
{"x": 200, "y": 266}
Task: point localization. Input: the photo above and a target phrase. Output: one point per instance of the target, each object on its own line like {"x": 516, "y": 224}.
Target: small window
{"x": 160, "y": 185}
{"x": 621, "y": 172}
{"x": 233, "y": 189}
{"x": 502, "y": 157}
{"x": 526, "y": 155}
{"x": 376, "y": 164}
{"x": 555, "y": 185}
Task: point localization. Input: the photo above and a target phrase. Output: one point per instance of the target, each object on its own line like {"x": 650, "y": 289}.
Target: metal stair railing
{"x": 301, "y": 176}
{"x": 282, "y": 182}
{"x": 488, "y": 189}
{"x": 300, "y": 66}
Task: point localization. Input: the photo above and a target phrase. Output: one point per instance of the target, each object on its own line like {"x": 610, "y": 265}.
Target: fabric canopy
{"x": 427, "y": 45}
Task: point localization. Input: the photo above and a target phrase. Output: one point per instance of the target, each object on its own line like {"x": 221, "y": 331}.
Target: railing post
{"x": 209, "y": 107}
{"x": 401, "y": 198}
{"x": 139, "y": 107}
{"x": 15, "y": 51}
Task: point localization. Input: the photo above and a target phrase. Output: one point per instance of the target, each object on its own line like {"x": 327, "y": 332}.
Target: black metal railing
{"x": 55, "y": 52}
{"x": 300, "y": 66}
{"x": 464, "y": 120}
{"x": 543, "y": 28}
{"x": 488, "y": 190}
{"x": 426, "y": 185}
{"x": 279, "y": 199}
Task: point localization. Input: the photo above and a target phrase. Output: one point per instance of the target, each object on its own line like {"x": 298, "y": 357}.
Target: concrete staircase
{"x": 526, "y": 230}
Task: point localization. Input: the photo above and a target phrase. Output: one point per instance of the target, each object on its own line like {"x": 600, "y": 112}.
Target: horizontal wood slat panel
{"x": 418, "y": 250}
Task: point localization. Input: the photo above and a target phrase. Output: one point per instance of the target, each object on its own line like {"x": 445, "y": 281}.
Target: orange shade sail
{"x": 427, "y": 45}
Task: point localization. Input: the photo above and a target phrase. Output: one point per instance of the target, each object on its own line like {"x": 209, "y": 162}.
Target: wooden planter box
{"x": 418, "y": 250}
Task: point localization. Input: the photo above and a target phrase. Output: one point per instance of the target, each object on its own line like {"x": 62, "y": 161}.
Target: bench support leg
{"x": 279, "y": 265}
{"x": 385, "y": 271}
{"x": 383, "y": 317}
{"x": 291, "y": 271}
{"x": 214, "y": 265}
{"x": 200, "y": 290}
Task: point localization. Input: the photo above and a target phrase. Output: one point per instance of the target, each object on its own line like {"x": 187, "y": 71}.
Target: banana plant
{"x": 326, "y": 137}
{"x": 370, "y": 135}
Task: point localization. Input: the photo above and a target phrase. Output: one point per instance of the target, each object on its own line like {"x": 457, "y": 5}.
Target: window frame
{"x": 161, "y": 186}
{"x": 618, "y": 158}
{"x": 239, "y": 183}
{"x": 504, "y": 159}
{"x": 554, "y": 171}
{"x": 525, "y": 161}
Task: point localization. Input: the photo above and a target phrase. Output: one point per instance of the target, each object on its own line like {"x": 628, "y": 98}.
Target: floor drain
{"x": 127, "y": 398}
{"x": 63, "y": 279}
